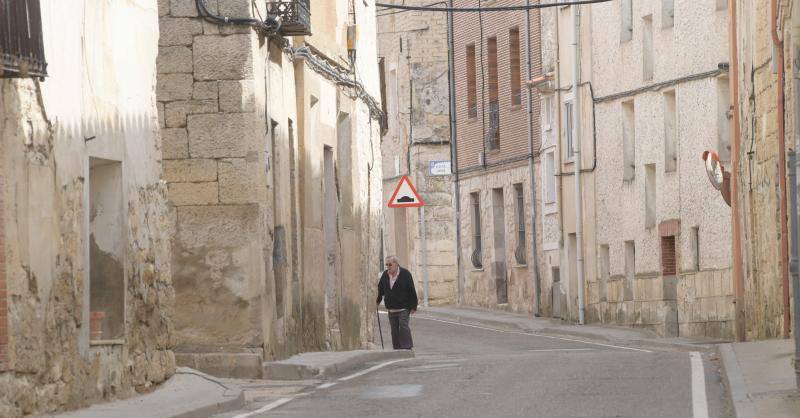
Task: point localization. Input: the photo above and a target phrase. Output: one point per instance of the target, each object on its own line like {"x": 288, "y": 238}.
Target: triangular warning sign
{"x": 405, "y": 195}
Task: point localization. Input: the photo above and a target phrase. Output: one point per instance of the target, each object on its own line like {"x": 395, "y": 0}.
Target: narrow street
{"x": 472, "y": 371}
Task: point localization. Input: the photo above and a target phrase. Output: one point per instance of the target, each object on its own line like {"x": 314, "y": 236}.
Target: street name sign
{"x": 439, "y": 168}
{"x": 405, "y": 195}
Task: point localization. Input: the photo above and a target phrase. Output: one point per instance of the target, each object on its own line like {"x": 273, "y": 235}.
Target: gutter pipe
{"x": 534, "y": 268}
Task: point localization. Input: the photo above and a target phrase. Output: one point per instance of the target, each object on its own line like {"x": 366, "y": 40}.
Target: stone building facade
{"x": 85, "y": 284}
{"x": 759, "y": 194}
{"x": 274, "y": 173}
{"x": 497, "y": 148}
{"x": 661, "y": 255}
{"x": 413, "y": 48}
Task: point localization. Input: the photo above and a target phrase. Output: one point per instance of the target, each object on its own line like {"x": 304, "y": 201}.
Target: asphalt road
{"x": 465, "y": 371}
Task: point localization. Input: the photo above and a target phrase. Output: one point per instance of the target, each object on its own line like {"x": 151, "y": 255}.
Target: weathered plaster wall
{"x": 414, "y": 48}
{"x": 98, "y": 102}
{"x": 698, "y": 39}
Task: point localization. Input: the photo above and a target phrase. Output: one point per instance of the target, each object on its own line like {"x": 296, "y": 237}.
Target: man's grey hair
{"x": 393, "y": 259}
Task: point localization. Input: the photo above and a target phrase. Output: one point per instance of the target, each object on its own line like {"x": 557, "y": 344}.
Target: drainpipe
{"x": 781, "y": 115}
{"x": 534, "y": 268}
{"x": 576, "y": 145}
{"x": 454, "y": 150}
{"x": 738, "y": 272}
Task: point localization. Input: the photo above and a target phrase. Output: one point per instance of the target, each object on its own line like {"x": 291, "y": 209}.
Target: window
{"x": 106, "y": 251}
{"x": 21, "y": 41}
{"x": 382, "y": 79}
{"x": 605, "y": 262}
{"x": 696, "y": 248}
{"x": 722, "y": 4}
{"x": 472, "y": 89}
{"x": 670, "y": 133}
{"x": 626, "y": 30}
{"x": 519, "y": 253}
{"x": 647, "y": 48}
{"x": 514, "y": 64}
{"x": 724, "y": 115}
{"x": 550, "y": 177}
{"x": 669, "y": 265}
{"x": 667, "y": 13}
{"x": 569, "y": 129}
{"x": 493, "y": 132}
{"x": 628, "y": 141}
{"x": 650, "y": 195}
{"x": 476, "y": 230}
{"x": 630, "y": 260}
{"x": 547, "y": 112}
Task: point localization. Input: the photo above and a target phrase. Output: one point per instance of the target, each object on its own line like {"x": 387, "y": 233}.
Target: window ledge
{"x": 94, "y": 343}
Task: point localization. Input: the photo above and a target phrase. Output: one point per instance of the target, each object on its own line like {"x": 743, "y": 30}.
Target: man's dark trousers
{"x": 401, "y": 332}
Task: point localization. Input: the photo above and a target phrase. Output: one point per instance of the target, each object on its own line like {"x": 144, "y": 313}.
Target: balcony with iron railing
{"x": 295, "y": 16}
{"x": 21, "y": 43}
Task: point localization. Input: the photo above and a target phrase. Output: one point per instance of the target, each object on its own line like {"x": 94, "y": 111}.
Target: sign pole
{"x": 424, "y": 255}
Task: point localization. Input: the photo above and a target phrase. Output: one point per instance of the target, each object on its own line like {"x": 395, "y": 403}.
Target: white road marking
{"x": 534, "y": 334}
{"x": 371, "y": 369}
{"x": 699, "y": 402}
{"x": 326, "y": 385}
{"x": 562, "y": 349}
{"x": 266, "y": 408}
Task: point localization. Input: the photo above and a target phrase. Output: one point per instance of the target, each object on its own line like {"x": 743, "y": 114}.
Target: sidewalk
{"x": 193, "y": 394}
{"x": 759, "y": 375}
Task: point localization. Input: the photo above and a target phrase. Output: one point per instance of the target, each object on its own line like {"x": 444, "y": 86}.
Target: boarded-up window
{"x": 647, "y": 48}
{"x": 628, "y": 141}
{"x": 626, "y": 29}
{"x": 21, "y": 44}
{"x": 569, "y": 129}
{"x": 521, "y": 249}
{"x": 514, "y": 63}
{"x": 650, "y": 195}
{"x": 670, "y": 132}
{"x": 669, "y": 262}
{"x": 550, "y": 177}
{"x": 667, "y": 13}
{"x": 472, "y": 88}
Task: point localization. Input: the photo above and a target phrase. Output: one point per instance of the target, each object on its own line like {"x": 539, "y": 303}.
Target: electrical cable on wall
{"x": 486, "y": 9}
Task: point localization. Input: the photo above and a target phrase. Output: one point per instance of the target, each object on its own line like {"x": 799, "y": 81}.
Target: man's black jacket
{"x": 402, "y": 295}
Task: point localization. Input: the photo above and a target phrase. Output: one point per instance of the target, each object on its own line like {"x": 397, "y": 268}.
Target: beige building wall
{"x": 763, "y": 313}
{"x": 653, "y": 125}
{"x": 274, "y": 171}
{"x": 84, "y": 231}
{"x": 413, "y": 47}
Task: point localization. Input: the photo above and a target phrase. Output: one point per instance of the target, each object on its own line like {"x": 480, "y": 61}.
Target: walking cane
{"x": 380, "y": 331}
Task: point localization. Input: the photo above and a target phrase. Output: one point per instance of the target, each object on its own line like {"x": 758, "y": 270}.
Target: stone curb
{"x": 295, "y": 369}
{"x": 592, "y": 335}
{"x": 734, "y": 382}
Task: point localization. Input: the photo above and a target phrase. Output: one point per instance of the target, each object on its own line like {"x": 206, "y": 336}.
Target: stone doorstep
{"x": 324, "y": 365}
{"x": 232, "y": 365}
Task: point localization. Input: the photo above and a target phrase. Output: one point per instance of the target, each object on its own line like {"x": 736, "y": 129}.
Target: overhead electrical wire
{"x": 486, "y": 9}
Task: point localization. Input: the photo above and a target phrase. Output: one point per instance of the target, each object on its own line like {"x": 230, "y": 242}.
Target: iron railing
{"x": 295, "y": 16}
{"x": 21, "y": 43}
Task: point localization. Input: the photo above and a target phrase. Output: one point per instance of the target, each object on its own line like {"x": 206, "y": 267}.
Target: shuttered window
{"x": 21, "y": 44}
{"x": 514, "y": 64}
{"x": 472, "y": 88}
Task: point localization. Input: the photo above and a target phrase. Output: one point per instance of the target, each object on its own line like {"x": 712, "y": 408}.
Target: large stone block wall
{"x": 419, "y": 71}
{"x": 759, "y": 180}
{"x": 480, "y": 288}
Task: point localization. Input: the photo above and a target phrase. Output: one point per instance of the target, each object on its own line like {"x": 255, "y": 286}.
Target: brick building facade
{"x": 495, "y": 165}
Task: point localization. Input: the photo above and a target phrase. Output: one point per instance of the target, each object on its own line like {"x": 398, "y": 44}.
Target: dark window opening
{"x": 21, "y": 43}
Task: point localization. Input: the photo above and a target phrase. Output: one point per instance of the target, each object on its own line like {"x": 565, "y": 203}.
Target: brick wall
{"x": 513, "y": 118}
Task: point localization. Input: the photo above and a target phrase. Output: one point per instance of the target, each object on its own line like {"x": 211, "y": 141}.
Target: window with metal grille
{"x": 568, "y": 129}
{"x": 669, "y": 259}
{"x": 519, "y": 253}
{"x": 21, "y": 44}
{"x": 514, "y": 63}
{"x": 476, "y": 230}
{"x": 472, "y": 88}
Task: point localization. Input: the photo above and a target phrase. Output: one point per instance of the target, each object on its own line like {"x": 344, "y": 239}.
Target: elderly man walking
{"x": 397, "y": 287}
